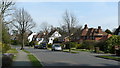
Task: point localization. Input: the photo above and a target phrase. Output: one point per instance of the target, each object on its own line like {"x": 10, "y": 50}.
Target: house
{"x": 31, "y": 36}
{"x": 66, "y": 39}
{"x": 55, "y": 34}
{"x": 117, "y": 31}
{"x": 93, "y": 34}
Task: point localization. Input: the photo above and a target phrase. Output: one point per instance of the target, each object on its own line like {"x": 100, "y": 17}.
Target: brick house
{"x": 93, "y": 34}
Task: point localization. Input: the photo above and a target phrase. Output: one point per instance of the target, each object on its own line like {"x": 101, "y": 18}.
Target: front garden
{"x": 8, "y": 54}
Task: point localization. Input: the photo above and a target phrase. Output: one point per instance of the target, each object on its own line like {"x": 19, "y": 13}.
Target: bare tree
{"x": 23, "y": 22}
{"x": 70, "y": 22}
{"x": 6, "y": 8}
{"x": 45, "y": 29}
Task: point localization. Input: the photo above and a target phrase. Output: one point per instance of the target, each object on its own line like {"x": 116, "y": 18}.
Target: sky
{"x": 104, "y": 14}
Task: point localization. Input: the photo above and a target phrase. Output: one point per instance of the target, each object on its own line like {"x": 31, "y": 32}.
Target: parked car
{"x": 42, "y": 46}
{"x": 56, "y": 47}
{"x": 36, "y": 46}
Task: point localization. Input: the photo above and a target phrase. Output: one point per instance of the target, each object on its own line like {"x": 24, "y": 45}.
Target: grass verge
{"x": 12, "y": 51}
{"x": 33, "y": 59}
{"x": 110, "y": 57}
{"x": 85, "y": 50}
{"x": 26, "y": 51}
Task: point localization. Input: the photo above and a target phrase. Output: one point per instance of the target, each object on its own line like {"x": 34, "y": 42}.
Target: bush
{"x": 70, "y": 45}
{"x": 100, "y": 44}
{"x": 5, "y": 48}
{"x": 111, "y": 42}
{"x": 0, "y": 47}
{"x": 78, "y": 46}
{"x": 88, "y": 44}
{"x": 7, "y": 60}
{"x": 49, "y": 45}
{"x": 32, "y": 43}
{"x": 14, "y": 42}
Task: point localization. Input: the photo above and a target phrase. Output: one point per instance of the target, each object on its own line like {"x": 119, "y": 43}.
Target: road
{"x": 56, "y": 58}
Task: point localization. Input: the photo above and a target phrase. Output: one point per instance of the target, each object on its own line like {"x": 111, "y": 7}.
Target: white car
{"x": 56, "y": 47}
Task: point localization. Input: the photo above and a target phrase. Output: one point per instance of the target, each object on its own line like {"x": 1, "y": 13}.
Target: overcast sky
{"x": 104, "y": 14}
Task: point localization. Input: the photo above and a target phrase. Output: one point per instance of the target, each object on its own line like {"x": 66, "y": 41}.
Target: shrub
{"x": 32, "y": 43}
{"x": 78, "y": 46}
{"x": 14, "y": 42}
{"x": 111, "y": 42}
{"x": 0, "y": 47}
{"x": 7, "y": 60}
{"x": 70, "y": 45}
{"x": 100, "y": 44}
{"x": 88, "y": 44}
{"x": 5, "y": 47}
{"x": 49, "y": 45}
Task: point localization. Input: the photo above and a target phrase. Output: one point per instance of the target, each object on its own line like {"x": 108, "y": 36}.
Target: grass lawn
{"x": 26, "y": 51}
{"x": 110, "y": 57}
{"x": 49, "y": 48}
{"x": 12, "y": 51}
{"x": 33, "y": 59}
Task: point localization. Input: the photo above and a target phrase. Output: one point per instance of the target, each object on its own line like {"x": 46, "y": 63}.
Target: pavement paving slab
{"x": 21, "y": 59}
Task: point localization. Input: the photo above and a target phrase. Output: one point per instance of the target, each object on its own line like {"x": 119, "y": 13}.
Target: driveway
{"x": 56, "y": 58}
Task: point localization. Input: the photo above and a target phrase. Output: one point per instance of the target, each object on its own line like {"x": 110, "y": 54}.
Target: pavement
{"x": 21, "y": 59}
{"x": 56, "y": 58}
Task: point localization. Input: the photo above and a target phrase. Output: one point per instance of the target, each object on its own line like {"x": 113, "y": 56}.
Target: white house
{"x": 31, "y": 37}
{"x": 56, "y": 34}
{"x": 38, "y": 38}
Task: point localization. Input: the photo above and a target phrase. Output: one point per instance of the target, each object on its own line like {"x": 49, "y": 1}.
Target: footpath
{"x": 21, "y": 59}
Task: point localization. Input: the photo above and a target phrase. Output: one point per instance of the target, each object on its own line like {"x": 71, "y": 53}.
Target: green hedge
{"x": 88, "y": 44}
{"x": 71, "y": 45}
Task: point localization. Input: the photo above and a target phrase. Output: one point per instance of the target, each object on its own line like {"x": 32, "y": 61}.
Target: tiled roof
{"x": 92, "y": 31}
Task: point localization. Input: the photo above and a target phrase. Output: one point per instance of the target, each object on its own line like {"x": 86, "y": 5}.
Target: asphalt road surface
{"x": 56, "y": 58}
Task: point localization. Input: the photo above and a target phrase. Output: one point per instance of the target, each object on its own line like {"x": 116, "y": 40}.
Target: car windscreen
{"x": 56, "y": 45}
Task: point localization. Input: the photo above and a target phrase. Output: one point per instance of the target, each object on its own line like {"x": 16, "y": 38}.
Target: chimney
{"x": 85, "y": 27}
{"x": 99, "y": 29}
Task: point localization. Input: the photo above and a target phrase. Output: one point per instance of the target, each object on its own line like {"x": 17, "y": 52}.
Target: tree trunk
{"x": 22, "y": 46}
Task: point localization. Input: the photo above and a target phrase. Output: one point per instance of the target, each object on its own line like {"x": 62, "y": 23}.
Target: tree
{"x": 5, "y": 35}
{"x": 111, "y": 42}
{"x": 6, "y": 9}
{"x": 23, "y": 22}
{"x": 70, "y": 22}
{"x": 45, "y": 29}
{"x": 108, "y": 31}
